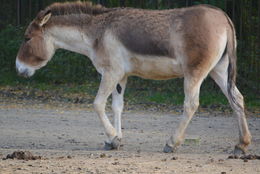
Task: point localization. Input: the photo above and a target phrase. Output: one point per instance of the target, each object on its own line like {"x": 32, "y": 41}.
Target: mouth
{"x": 24, "y": 73}
{"x": 23, "y": 69}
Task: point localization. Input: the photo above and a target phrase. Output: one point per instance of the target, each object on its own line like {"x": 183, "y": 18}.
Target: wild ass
{"x": 155, "y": 44}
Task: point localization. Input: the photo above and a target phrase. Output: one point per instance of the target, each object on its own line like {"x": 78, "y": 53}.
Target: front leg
{"x": 118, "y": 104}
{"x": 108, "y": 83}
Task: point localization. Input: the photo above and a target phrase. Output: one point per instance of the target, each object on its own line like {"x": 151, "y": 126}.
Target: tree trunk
{"x": 18, "y": 12}
{"x": 170, "y": 3}
{"x": 122, "y": 3}
{"x": 30, "y": 9}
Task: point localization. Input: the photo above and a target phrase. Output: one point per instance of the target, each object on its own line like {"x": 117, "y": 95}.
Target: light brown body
{"x": 190, "y": 42}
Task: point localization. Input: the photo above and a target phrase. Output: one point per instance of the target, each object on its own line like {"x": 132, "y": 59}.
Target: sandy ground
{"x": 71, "y": 141}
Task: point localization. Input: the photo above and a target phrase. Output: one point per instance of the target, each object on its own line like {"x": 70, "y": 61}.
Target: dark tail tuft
{"x": 232, "y": 67}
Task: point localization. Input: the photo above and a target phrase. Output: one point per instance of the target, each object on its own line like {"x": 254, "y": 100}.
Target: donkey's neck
{"x": 72, "y": 39}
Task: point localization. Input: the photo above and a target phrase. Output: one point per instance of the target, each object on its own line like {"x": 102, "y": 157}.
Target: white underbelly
{"x": 149, "y": 67}
{"x": 154, "y": 67}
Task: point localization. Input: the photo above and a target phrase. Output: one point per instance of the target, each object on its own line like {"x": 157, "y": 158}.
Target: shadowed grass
{"x": 138, "y": 91}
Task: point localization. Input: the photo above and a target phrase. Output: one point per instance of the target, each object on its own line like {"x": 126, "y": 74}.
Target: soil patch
{"x": 248, "y": 157}
{"x": 22, "y": 155}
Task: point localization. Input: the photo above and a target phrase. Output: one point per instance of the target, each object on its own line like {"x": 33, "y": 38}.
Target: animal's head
{"x": 37, "y": 47}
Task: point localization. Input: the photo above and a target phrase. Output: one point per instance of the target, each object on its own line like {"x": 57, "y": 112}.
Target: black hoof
{"x": 239, "y": 151}
{"x": 115, "y": 144}
{"x": 168, "y": 149}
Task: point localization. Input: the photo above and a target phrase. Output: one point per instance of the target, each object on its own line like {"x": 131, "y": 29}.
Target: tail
{"x": 232, "y": 67}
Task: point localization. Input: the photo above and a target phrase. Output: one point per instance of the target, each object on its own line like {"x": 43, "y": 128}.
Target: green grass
{"x": 137, "y": 92}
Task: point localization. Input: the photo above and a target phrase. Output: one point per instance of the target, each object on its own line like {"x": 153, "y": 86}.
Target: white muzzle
{"x": 23, "y": 69}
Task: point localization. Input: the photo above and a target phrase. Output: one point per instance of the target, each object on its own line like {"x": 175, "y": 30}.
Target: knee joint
{"x": 98, "y": 106}
{"x": 192, "y": 105}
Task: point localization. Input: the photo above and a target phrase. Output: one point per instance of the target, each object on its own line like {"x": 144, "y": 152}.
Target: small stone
{"x": 174, "y": 158}
{"x": 115, "y": 163}
{"x": 245, "y": 160}
{"x": 102, "y": 155}
{"x": 250, "y": 157}
{"x": 223, "y": 172}
{"x": 231, "y": 157}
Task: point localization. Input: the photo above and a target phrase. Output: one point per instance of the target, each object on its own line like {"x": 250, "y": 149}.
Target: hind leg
{"x": 220, "y": 76}
{"x": 244, "y": 133}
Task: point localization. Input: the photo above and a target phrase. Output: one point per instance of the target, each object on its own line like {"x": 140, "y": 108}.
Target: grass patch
{"x": 135, "y": 94}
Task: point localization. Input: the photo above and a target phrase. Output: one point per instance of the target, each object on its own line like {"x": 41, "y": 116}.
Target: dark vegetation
{"x": 75, "y": 72}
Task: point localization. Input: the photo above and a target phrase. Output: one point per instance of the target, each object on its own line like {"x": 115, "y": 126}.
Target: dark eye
{"x": 27, "y": 39}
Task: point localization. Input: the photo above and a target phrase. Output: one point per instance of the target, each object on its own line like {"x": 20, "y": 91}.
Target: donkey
{"x": 191, "y": 42}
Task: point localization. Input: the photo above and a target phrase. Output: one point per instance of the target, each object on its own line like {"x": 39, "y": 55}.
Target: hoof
{"x": 239, "y": 151}
{"x": 115, "y": 144}
{"x": 168, "y": 149}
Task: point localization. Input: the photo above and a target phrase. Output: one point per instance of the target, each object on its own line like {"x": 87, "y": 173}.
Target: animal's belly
{"x": 158, "y": 68}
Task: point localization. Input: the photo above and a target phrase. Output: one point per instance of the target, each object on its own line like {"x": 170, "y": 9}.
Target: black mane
{"x": 69, "y": 8}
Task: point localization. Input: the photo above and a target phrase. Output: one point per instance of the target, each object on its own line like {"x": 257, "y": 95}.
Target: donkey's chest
{"x": 159, "y": 68}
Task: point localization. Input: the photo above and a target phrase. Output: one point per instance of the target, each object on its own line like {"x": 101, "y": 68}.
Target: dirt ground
{"x": 70, "y": 140}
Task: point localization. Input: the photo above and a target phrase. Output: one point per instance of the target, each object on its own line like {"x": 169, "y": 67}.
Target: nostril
{"x": 24, "y": 73}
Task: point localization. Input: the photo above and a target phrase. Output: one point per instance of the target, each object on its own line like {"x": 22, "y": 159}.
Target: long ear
{"x": 45, "y": 18}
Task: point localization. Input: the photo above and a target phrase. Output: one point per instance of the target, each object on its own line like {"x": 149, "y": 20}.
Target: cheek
{"x": 38, "y": 48}
{"x": 36, "y": 61}
{"x": 31, "y": 54}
